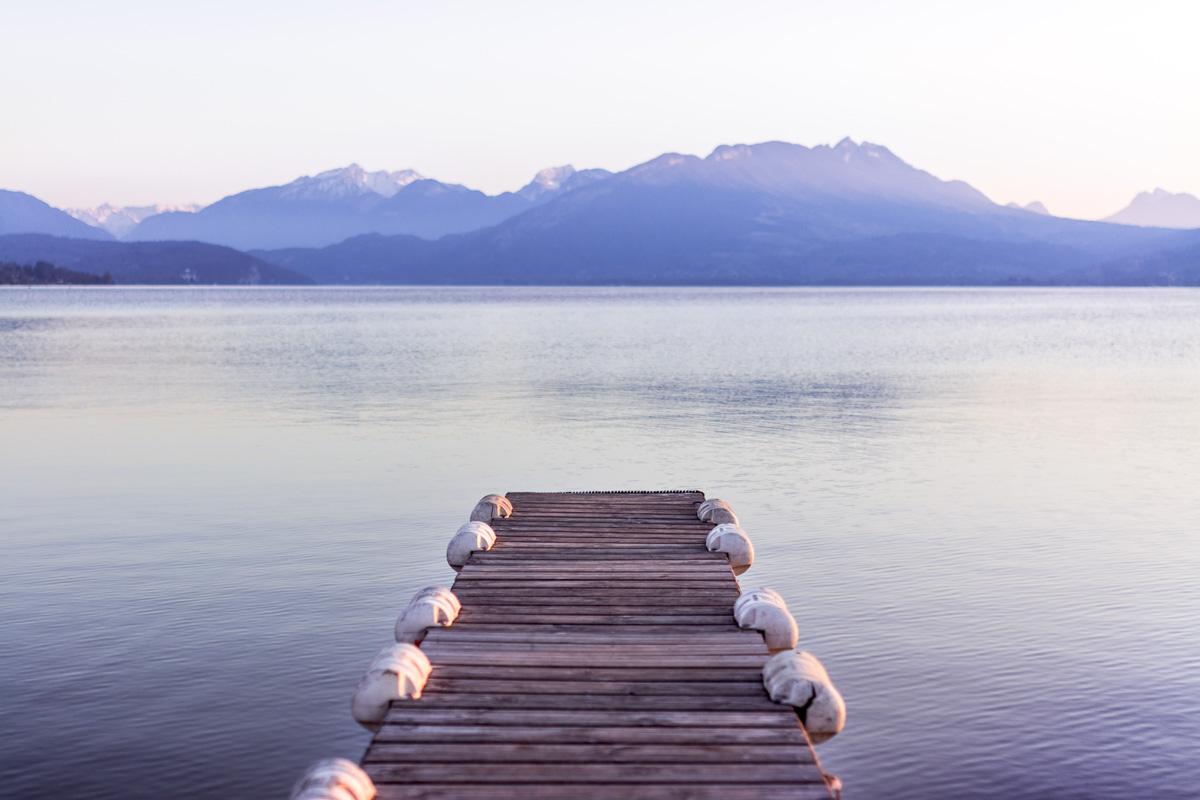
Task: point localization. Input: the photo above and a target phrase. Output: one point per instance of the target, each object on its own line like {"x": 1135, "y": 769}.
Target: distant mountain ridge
{"x": 24, "y": 213}
{"x": 336, "y": 204}
{"x": 770, "y": 213}
{"x": 1161, "y": 209}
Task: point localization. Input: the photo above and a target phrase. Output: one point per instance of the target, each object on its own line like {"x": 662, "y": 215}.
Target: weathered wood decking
{"x": 595, "y": 656}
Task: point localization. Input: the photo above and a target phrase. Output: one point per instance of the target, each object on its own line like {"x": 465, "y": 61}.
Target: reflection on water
{"x": 981, "y": 506}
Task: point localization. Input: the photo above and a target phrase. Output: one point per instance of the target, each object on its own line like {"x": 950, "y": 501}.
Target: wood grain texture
{"x": 596, "y": 655}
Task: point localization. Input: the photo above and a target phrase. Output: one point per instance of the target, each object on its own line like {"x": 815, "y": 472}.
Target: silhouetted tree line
{"x": 46, "y": 273}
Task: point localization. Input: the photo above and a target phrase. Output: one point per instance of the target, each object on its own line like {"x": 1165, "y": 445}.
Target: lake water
{"x": 982, "y": 506}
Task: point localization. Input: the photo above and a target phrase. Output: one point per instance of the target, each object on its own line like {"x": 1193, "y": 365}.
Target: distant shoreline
{"x": 46, "y": 274}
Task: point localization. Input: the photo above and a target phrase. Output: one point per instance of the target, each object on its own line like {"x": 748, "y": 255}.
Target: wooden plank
{"x": 642, "y": 569}
{"x": 630, "y": 534}
{"x": 501, "y": 556}
{"x": 587, "y": 602}
{"x": 608, "y": 576}
{"x": 481, "y": 616}
{"x": 634, "y": 772}
{"x": 529, "y": 606}
{"x": 615, "y": 549}
{"x": 675, "y": 674}
{"x": 597, "y": 644}
{"x": 602, "y": 657}
{"x": 609, "y": 494}
{"x": 608, "y": 753}
{"x": 681, "y": 602}
{"x": 437, "y": 683}
{"x": 624, "y": 548}
{"x": 612, "y": 520}
{"x": 712, "y": 604}
{"x": 589, "y": 734}
{"x": 601, "y": 791}
{"x": 516, "y": 557}
{"x": 413, "y": 712}
{"x": 533, "y": 625}
{"x": 605, "y": 637}
{"x": 644, "y": 513}
{"x": 596, "y": 586}
{"x": 530, "y": 699}
{"x": 556, "y": 525}
{"x": 608, "y": 635}
{"x": 583, "y": 642}
{"x": 610, "y": 607}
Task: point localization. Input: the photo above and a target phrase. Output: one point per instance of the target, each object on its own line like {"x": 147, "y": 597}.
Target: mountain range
{"x": 768, "y": 213}
{"x": 332, "y": 206}
{"x": 771, "y": 213}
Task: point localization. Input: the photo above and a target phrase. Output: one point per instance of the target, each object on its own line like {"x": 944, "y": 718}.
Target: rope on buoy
{"x": 469, "y": 538}
{"x": 399, "y": 672}
{"x": 765, "y": 610}
{"x": 490, "y": 507}
{"x": 334, "y": 779}
{"x": 717, "y": 512}
{"x": 432, "y": 607}
{"x": 800, "y": 680}
{"x": 730, "y": 539}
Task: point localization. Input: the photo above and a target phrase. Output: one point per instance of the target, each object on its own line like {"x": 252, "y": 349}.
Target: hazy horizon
{"x": 132, "y": 105}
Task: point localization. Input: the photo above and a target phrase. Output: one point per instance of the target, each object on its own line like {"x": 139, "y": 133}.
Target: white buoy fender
{"x": 716, "y": 512}
{"x": 334, "y": 779}
{"x": 440, "y": 592}
{"x": 800, "y": 681}
{"x": 490, "y": 507}
{"x": 720, "y": 516}
{"x": 433, "y": 606}
{"x": 753, "y": 595}
{"x": 470, "y": 537}
{"x": 730, "y": 539}
{"x": 765, "y": 610}
{"x": 399, "y": 672}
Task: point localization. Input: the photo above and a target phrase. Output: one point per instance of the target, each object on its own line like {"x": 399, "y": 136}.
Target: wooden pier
{"x": 595, "y": 655}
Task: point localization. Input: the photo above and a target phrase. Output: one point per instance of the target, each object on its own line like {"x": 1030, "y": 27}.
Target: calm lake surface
{"x": 982, "y": 506}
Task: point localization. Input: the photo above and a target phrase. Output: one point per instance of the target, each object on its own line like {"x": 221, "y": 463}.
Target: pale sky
{"x": 1077, "y": 104}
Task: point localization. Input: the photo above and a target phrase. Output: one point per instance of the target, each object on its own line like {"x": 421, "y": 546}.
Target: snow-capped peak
{"x": 849, "y": 149}
{"x": 119, "y": 220}
{"x": 728, "y": 152}
{"x": 349, "y": 181}
{"x": 552, "y": 178}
